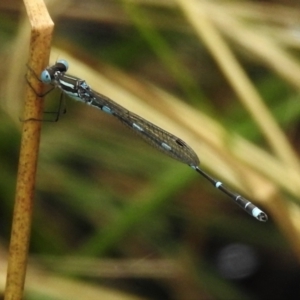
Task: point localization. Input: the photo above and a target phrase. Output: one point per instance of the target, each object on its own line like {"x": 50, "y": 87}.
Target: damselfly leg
{"x": 61, "y": 106}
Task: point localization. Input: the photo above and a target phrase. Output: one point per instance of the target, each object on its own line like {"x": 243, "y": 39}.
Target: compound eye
{"x": 63, "y": 64}
{"x": 45, "y": 77}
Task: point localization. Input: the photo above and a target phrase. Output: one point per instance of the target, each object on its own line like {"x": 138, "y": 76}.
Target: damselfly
{"x": 168, "y": 143}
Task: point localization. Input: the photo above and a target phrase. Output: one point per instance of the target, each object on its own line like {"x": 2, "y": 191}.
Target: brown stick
{"x": 41, "y": 33}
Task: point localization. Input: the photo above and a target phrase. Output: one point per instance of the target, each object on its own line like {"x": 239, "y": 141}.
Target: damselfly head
{"x": 61, "y": 66}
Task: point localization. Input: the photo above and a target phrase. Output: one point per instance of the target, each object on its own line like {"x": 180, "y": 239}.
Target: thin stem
{"x": 41, "y": 33}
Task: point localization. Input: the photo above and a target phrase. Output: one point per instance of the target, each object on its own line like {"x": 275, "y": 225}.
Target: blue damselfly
{"x": 166, "y": 142}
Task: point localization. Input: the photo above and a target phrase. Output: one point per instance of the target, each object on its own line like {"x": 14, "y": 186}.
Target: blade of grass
{"x": 165, "y": 53}
{"x": 143, "y": 207}
{"x": 196, "y": 14}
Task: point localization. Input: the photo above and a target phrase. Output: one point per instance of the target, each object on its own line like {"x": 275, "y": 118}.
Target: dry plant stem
{"x": 283, "y": 216}
{"x": 41, "y": 32}
{"x": 259, "y": 43}
{"x": 197, "y": 16}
